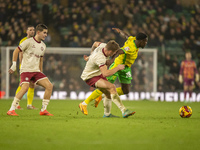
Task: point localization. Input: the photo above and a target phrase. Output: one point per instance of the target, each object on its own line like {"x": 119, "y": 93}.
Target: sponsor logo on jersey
{"x": 126, "y": 48}
{"x": 33, "y": 46}
{"x": 38, "y": 56}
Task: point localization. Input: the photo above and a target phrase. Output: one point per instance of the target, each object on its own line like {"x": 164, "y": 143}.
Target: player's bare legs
{"x": 125, "y": 88}
{"x": 24, "y": 89}
{"x": 48, "y": 87}
{"x": 48, "y": 91}
{"x": 17, "y": 98}
{"x": 115, "y": 98}
{"x": 113, "y": 95}
{"x": 32, "y": 85}
{"x": 18, "y": 89}
{"x": 109, "y": 90}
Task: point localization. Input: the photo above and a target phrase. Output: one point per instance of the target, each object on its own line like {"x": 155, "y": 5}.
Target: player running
{"x": 127, "y": 56}
{"x": 31, "y": 69}
{"x": 95, "y": 74}
{"x": 30, "y": 94}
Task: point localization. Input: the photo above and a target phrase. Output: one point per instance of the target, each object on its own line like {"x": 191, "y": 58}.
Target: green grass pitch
{"x": 155, "y": 126}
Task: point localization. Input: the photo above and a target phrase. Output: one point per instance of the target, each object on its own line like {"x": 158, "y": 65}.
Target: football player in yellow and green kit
{"x": 125, "y": 55}
{"x": 30, "y": 94}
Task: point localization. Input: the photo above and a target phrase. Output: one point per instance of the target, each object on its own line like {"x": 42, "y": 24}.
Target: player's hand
{"x": 121, "y": 67}
{"x": 85, "y": 57}
{"x": 12, "y": 68}
{"x": 180, "y": 79}
{"x": 117, "y": 29}
{"x": 197, "y": 78}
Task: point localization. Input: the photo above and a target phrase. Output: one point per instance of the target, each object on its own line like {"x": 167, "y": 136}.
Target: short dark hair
{"x": 41, "y": 27}
{"x": 28, "y": 26}
{"x": 141, "y": 36}
{"x": 112, "y": 45}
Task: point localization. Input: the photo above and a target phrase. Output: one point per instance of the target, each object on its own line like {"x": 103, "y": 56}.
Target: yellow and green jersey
{"x": 22, "y": 40}
{"x": 130, "y": 53}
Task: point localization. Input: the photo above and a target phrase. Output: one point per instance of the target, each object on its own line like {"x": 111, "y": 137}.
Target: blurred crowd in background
{"x": 173, "y": 27}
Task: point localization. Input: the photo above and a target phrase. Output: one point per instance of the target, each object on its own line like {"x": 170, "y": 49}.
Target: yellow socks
{"x": 18, "y": 89}
{"x": 96, "y": 93}
{"x": 30, "y": 96}
{"x": 119, "y": 91}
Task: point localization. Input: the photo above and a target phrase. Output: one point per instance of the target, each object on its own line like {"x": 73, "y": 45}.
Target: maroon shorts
{"x": 34, "y": 77}
{"x": 188, "y": 82}
{"x": 91, "y": 82}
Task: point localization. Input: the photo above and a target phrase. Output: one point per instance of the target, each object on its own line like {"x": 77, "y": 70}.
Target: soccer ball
{"x": 185, "y": 111}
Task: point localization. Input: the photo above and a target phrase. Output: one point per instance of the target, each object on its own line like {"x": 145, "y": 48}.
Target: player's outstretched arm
{"x": 106, "y": 73}
{"x": 15, "y": 56}
{"x": 123, "y": 34}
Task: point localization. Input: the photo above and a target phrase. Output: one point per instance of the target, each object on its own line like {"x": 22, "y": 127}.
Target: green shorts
{"x": 124, "y": 76}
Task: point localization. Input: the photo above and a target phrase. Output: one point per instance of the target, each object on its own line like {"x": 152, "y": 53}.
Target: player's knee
{"x": 50, "y": 86}
{"x": 25, "y": 87}
{"x": 112, "y": 89}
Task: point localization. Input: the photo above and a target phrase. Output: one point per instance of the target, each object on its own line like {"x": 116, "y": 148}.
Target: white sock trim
{"x": 45, "y": 102}
{"x": 107, "y": 106}
{"x": 116, "y": 99}
{"x": 14, "y": 104}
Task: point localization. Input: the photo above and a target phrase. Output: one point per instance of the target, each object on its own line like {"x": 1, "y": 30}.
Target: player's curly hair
{"x": 141, "y": 36}
{"x": 112, "y": 45}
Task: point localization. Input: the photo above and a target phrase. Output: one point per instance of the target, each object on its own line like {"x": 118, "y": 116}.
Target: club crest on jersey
{"x": 126, "y": 48}
{"x": 42, "y": 48}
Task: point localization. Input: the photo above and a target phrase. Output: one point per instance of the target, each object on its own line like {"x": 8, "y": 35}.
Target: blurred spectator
{"x": 79, "y": 23}
{"x": 177, "y": 7}
{"x": 46, "y": 12}
{"x": 174, "y": 69}
{"x": 187, "y": 45}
